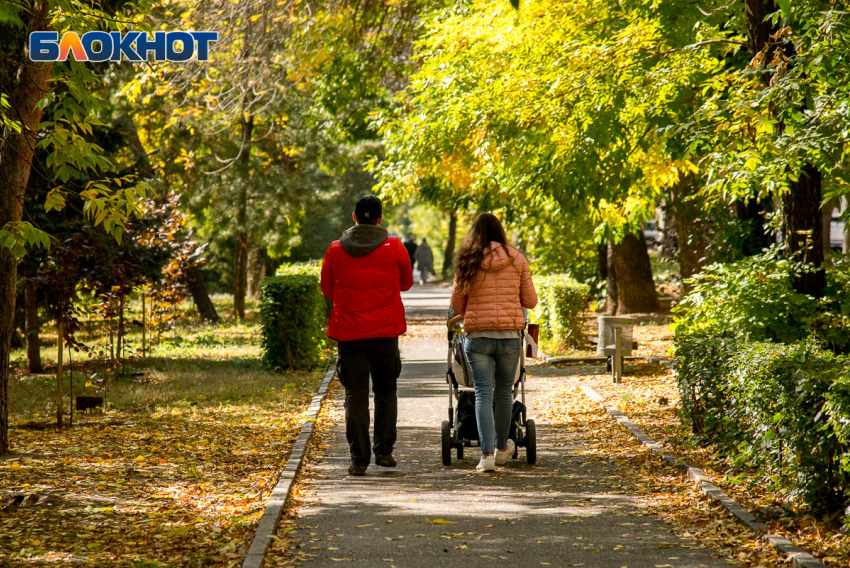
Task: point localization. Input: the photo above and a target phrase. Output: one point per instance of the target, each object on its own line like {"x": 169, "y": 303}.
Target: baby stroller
{"x": 461, "y": 429}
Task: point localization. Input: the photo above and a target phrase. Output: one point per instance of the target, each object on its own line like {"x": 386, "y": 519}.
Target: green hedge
{"x": 293, "y": 320}
{"x": 784, "y": 408}
{"x": 562, "y": 301}
{"x": 310, "y": 268}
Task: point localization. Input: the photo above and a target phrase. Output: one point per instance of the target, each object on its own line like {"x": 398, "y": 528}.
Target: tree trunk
{"x": 60, "y": 347}
{"x": 16, "y": 155}
{"x": 121, "y": 332}
{"x": 803, "y": 229}
{"x": 240, "y": 256}
{"x": 197, "y": 287}
{"x": 759, "y": 30}
{"x": 33, "y": 341}
{"x": 255, "y": 272}
{"x": 449, "y": 257}
{"x": 610, "y": 275}
{"x": 692, "y": 240}
{"x": 633, "y": 274}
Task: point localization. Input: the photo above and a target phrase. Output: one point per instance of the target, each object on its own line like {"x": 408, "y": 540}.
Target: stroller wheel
{"x": 460, "y": 452}
{"x": 530, "y": 442}
{"x": 447, "y": 442}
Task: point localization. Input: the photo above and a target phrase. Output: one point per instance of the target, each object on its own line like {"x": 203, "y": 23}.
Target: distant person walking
{"x": 364, "y": 273}
{"x": 410, "y": 245}
{"x": 424, "y": 261}
{"x": 492, "y": 286}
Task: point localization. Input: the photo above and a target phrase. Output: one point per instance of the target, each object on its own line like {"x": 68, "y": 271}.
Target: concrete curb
{"x": 267, "y": 526}
{"x": 799, "y": 557}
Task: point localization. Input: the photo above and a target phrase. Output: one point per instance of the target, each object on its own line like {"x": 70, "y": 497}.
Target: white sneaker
{"x": 502, "y": 456}
{"x": 487, "y": 463}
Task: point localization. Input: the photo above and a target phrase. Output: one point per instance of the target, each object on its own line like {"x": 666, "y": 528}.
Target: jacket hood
{"x": 361, "y": 240}
{"x": 496, "y": 258}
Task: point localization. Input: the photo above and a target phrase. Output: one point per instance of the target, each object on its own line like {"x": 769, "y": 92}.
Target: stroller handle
{"x": 451, "y": 323}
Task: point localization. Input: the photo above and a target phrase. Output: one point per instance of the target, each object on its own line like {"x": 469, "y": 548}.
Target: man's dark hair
{"x": 368, "y": 210}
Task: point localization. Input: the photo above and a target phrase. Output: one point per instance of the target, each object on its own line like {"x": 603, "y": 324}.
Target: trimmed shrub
{"x": 700, "y": 361}
{"x": 779, "y": 407}
{"x": 562, "y": 301}
{"x": 292, "y": 316}
{"x": 309, "y": 268}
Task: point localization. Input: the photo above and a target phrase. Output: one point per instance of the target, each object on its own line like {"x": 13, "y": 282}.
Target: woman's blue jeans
{"x": 494, "y": 363}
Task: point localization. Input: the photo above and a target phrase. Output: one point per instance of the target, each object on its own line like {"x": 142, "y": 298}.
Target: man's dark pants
{"x": 357, "y": 359}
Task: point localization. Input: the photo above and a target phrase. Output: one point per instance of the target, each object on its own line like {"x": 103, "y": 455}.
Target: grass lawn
{"x": 173, "y": 472}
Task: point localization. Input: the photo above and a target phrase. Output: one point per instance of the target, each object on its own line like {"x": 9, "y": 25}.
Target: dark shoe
{"x": 355, "y": 469}
{"x": 385, "y": 461}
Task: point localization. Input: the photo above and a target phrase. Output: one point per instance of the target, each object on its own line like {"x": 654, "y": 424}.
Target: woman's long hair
{"x": 485, "y": 229}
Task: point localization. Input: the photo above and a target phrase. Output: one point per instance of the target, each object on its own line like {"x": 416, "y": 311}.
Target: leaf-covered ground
{"x": 648, "y": 395}
{"x": 175, "y": 472}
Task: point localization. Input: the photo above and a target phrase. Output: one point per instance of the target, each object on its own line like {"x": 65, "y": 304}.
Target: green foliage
{"x": 759, "y": 124}
{"x": 562, "y": 245}
{"x": 774, "y": 406}
{"x": 755, "y": 298}
{"x": 562, "y": 301}
{"x": 700, "y": 360}
{"x": 292, "y": 313}
{"x": 72, "y": 108}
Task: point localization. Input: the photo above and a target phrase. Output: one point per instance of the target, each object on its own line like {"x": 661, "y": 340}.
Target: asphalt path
{"x": 565, "y": 511}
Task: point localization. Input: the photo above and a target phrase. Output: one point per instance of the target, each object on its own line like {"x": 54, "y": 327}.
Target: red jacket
{"x": 366, "y": 288}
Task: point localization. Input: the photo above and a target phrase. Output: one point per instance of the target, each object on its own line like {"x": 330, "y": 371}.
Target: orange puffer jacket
{"x": 500, "y": 289}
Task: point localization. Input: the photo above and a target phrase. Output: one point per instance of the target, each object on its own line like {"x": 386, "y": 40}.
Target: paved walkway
{"x": 564, "y": 511}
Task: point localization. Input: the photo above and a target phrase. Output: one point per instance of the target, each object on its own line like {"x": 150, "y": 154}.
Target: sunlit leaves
{"x": 18, "y": 236}
{"x": 760, "y": 123}
{"x": 111, "y": 206}
{"x": 558, "y": 104}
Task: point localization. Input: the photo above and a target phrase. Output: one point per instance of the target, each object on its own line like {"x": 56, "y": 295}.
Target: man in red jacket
{"x": 364, "y": 273}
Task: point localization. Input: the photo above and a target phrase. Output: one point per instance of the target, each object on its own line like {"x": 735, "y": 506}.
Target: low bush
{"x": 293, "y": 320}
{"x": 309, "y": 268}
{"x": 784, "y": 408}
{"x": 562, "y": 301}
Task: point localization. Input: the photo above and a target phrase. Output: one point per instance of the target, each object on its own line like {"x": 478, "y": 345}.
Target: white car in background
{"x": 651, "y": 233}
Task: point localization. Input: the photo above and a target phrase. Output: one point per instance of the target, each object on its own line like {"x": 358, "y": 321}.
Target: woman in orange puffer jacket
{"x": 492, "y": 285}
